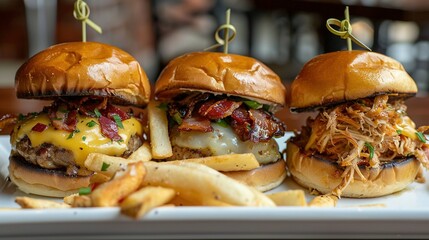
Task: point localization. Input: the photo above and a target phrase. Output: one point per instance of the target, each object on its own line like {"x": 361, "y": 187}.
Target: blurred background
{"x": 282, "y": 34}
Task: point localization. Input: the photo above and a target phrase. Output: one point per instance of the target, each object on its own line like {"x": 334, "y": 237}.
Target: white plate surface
{"x": 406, "y": 214}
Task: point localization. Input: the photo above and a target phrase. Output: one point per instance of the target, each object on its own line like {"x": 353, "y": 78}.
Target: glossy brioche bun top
{"x": 83, "y": 69}
{"x": 342, "y": 76}
{"x": 221, "y": 74}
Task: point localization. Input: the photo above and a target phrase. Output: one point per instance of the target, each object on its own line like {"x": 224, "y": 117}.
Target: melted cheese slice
{"x": 223, "y": 141}
{"x": 407, "y": 127}
{"x": 87, "y": 140}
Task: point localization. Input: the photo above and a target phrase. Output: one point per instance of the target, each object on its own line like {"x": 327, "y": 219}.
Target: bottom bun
{"x": 324, "y": 175}
{"x": 45, "y": 182}
{"x": 263, "y": 178}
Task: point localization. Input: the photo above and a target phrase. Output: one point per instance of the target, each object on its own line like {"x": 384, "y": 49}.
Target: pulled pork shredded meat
{"x": 368, "y": 132}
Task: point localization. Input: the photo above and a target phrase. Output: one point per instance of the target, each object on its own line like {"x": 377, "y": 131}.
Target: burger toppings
{"x": 248, "y": 119}
{"x": 72, "y": 128}
{"x": 109, "y": 128}
{"x": 105, "y": 166}
{"x": 196, "y": 123}
{"x": 63, "y": 115}
{"x": 367, "y": 132}
{"x": 39, "y": 127}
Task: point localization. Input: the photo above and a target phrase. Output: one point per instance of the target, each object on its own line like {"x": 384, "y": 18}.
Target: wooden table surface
{"x": 418, "y": 109}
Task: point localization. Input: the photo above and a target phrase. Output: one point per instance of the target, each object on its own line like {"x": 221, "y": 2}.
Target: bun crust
{"x": 348, "y": 75}
{"x": 263, "y": 178}
{"x": 324, "y": 176}
{"x": 83, "y": 69}
{"x": 221, "y": 73}
{"x": 44, "y": 182}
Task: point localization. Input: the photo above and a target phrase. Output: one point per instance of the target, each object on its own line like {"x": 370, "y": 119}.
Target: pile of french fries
{"x": 139, "y": 183}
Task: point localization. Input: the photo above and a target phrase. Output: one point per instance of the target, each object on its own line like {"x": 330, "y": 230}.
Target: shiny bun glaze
{"x": 221, "y": 73}
{"x": 342, "y": 76}
{"x": 83, "y": 69}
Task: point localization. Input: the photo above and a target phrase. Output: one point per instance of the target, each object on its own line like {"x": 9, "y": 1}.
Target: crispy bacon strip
{"x": 39, "y": 127}
{"x": 64, "y": 120}
{"x": 112, "y": 110}
{"x": 219, "y": 109}
{"x": 264, "y": 126}
{"x": 109, "y": 128}
{"x": 196, "y": 123}
{"x": 87, "y": 105}
{"x": 249, "y": 124}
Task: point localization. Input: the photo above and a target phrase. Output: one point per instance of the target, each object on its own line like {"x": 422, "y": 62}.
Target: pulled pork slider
{"x": 361, "y": 143}
{"x": 222, "y": 104}
{"x": 86, "y": 81}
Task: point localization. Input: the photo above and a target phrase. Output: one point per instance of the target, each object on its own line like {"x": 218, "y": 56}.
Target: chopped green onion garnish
{"x": 266, "y": 107}
{"x": 105, "y": 166}
{"x": 421, "y": 137}
{"x": 163, "y": 106}
{"x": 21, "y": 117}
{"x": 399, "y": 131}
{"x": 71, "y": 135}
{"x": 252, "y": 104}
{"x": 91, "y": 123}
{"x": 97, "y": 113}
{"x": 63, "y": 110}
{"x": 83, "y": 138}
{"x": 222, "y": 123}
{"x": 118, "y": 120}
{"x": 84, "y": 191}
{"x": 178, "y": 118}
{"x": 370, "y": 149}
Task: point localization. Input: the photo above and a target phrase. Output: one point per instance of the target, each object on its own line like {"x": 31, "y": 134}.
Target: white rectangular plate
{"x": 406, "y": 214}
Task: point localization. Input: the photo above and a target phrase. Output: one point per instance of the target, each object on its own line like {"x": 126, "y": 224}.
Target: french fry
{"x": 143, "y": 153}
{"x": 324, "y": 201}
{"x": 70, "y": 198}
{"x": 201, "y": 183}
{"x": 179, "y": 201}
{"x": 195, "y": 200}
{"x": 142, "y": 201}
{"x": 109, "y": 165}
{"x": 99, "y": 177}
{"x": 95, "y": 162}
{"x": 226, "y": 163}
{"x": 9, "y": 209}
{"x": 33, "y": 203}
{"x": 159, "y": 138}
{"x": 123, "y": 183}
{"x": 289, "y": 198}
{"x": 81, "y": 201}
{"x": 214, "y": 203}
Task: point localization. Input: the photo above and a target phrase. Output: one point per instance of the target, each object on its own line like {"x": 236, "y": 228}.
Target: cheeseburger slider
{"x": 362, "y": 143}
{"x": 221, "y": 104}
{"x": 86, "y": 82}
